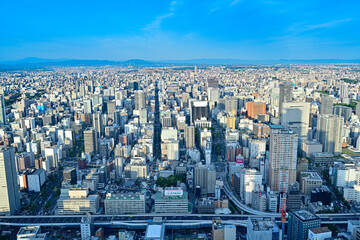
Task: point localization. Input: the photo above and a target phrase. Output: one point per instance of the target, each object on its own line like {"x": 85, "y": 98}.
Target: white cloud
{"x": 156, "y": 23}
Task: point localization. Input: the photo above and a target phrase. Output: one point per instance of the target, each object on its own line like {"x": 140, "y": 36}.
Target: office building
{"x": 283, "y": 158}
{"x": 90, "y": 141}
{"x": 262, "y": 228}
{"x": 205, "y": 178}
{"x": 157, "y": 127}
{"x": 255, "y": 108}
{"x": 295, "y": 115}
{"x": 285, "y": 94}
{"x": 140, "y": 100}
{"x": 125, "y": 203}
{"x": 329, "y": 133}
{"x": 30, "y": 233}
{"x": 9, "y": 189}
{"x": 327, "y": 102}
{"x": 299, "y": 224}
{"x": 36, "y": 179}
{"x": 2, "y": 110}
{"x": 78, "y": 201}
{"x": 172, "y": 200}
{"x": 190, "y": 137}
{"x": 320, "y": 233}
{"x": 309, "y": 181}
{"x": 69, "y": 175}
{"x": 199, "y": 110}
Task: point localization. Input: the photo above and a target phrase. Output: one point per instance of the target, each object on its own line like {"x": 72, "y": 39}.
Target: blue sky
{"x": 180, "y": 29}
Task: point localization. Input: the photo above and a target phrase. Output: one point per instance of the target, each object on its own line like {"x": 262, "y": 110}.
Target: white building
{"x": 36, "y": 179}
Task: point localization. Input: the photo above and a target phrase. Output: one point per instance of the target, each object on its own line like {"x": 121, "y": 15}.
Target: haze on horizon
{"x": 180, "y": 29}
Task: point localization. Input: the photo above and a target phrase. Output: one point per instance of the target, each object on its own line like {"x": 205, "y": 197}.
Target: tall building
{"x": 140, "y": 100}
{"x": 283, "y": 158}
{"x": 157, "y": 127}
{"x": 344, "y": 90}
{"x": 90, "y": 141}
{"x": 327, "y": 102}
{"x": 98, "y": 124}
{"x": 2, "y": 110}
{"x": 285, "y": 94}
{"x": 329, "y": 133}
{"x": 299, "y": 224}
{"x": 199, "y": 109}
{"x": 205, "y": 178}
{"x": 255, "y": 108}
{"x": 9, "y": 189}
{"x": 295, "y": 115}
{"x": 190, "y": 137}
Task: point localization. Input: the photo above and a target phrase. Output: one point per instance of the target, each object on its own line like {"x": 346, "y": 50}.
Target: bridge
{"x": 142, "y": 220}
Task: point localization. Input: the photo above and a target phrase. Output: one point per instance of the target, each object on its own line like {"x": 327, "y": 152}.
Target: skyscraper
{"x": 344, "y": 90}
{"x": 98, "y": 124}
{"x": 205, "y": 178}
{"x": 199, "y": 109}
{"x": 327, "y": 102}
{"x": 2, "y": 110}
{"x": 9, "y": 189}
{"x": 285, "y": 94}
{"x": 90, "y": 141}
{"x": 157, "y": 127}
{"x": 295, "y": 115}
{"x": 140, "y": 100}
{"x": 329, "y": 132}
{"x": 300, "y": 222}
{"x": 283, "y": 158}
{"x": 190, "y": 137}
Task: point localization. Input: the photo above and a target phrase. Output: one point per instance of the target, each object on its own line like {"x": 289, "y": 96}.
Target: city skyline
{"x": 179, "y": 30}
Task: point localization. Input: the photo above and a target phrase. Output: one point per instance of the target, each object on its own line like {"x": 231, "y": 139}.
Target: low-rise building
{"x": 172, "y": 200}
{"x": 78, "y": 201}
{"x": 129, "y": 203}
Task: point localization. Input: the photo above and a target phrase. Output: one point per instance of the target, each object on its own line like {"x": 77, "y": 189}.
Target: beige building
{"x": 283, "y": 158}
{"x": 309, "y": 181}
{"x": 78, "y": 201}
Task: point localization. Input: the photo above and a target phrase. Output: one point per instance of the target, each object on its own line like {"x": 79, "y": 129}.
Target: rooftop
{"x": 320, "y": 230}
{"x": 305, "y": 215}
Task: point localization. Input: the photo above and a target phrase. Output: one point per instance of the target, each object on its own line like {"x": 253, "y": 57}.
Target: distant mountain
{"x": 39, "y": 63}
{"x": 35, "y": 63}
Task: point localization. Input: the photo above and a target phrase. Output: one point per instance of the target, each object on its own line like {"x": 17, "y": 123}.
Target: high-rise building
{"x": 283, "y": 158}
{"x": 199, "y": 109}
{"x": 2, "y": 110}
{"x": 344, "y": 90}
{"x": 98, "y": 124}
{"x": 327, "y": 102}
{"x": 255, "y": 108}
{"x": 190, "y": 137}
{"x": 69, "y": 175}
{"x": 9, "y": 189}
{"x": 157, "y": 127}
{"x": 295, "y": 115}
{"x": 329, "y": 133}
{"x": 205, "y": 178}
{"x": 140, "y": 100}
{"x": 90, "y": 141}
{"x": 212, "y": 82}
{"x": 285, "y": 94}
{"x": 299, "y": 224}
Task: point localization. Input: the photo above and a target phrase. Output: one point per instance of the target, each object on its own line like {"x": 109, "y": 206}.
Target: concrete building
{"x": 127, "y": 203}
{"x": 283, "y": 158}
{"x": 261, "y": 228}
{"x": 90, "y": 141}
{"x": 299, "y": 224}
{"x": 255, "y": 108}
{"x": 327, "y": 102}
{"x": 9, "y": 189}
{"x": 320, "y": 233}
{"x": 295, "y": 115}
{"x": 78, "y": 201}
{"x": 329, "y": 133}
{"x": 30, "y": 233}
{"x": 190, "y": 137}
{"x": 309, "y": 181}
{"x": 172, "y": 200}
{"x": 36, "y": 179}
{"x": 205, "y": 178}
